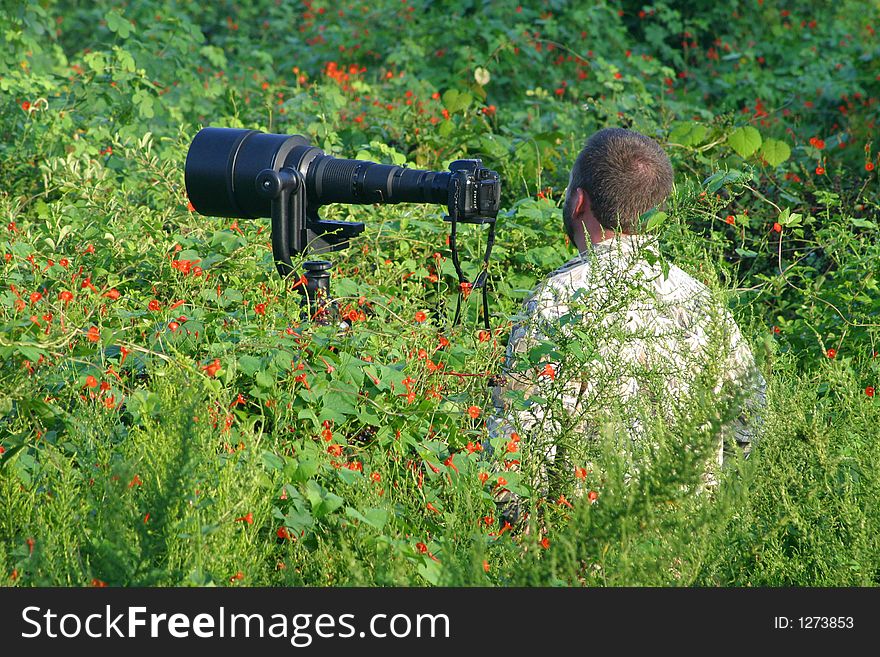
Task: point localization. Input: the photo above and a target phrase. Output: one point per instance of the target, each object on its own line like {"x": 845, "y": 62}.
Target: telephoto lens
{"x": 232, "y": 172}
{"x": 223, "y": 163}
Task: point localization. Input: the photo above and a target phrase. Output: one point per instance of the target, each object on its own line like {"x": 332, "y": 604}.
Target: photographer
{"x": 640, "y": 338}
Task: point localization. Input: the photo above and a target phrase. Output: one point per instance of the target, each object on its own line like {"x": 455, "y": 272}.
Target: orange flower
{"x": 549, "y": 371}
{"x": 211, "y": 370}
{"x": 420, "y": 317}
{"x": 592, "y": 496}
{"x": 94, "y": 334}
{"x": 249, "y": 519}
{"x": 831, "y": 353}
{"x": 474, "y": 412}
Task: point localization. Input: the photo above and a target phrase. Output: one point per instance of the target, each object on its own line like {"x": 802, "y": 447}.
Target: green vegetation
{"x": 167, "y": 417}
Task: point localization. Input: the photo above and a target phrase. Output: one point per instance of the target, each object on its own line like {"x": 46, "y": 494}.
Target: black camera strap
{"x": 482, "y": 279}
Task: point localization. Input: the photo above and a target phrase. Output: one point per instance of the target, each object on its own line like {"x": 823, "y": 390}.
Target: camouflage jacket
{"x": 616, "y": 334}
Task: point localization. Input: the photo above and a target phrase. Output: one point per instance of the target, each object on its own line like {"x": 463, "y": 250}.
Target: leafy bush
{"x": 168, "y": 416}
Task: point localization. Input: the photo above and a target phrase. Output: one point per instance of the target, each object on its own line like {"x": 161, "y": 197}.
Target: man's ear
{"x": 581, "y": 201}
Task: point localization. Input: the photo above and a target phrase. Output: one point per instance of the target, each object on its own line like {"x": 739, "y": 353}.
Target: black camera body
{"x": 249, "y": 174}
{"x": 475, "y": 192}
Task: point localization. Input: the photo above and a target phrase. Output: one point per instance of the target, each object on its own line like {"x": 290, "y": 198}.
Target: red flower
{"x": 563, "y": 502}
{"x": 421, "y": 547}
{"x": 549, "y": 371}
{"x": 502, "y": 481}
{"x": 112, "y": 294}
{"x": 485, "y": 565}
{"x": 26, "y": 106}
{"x": 483, "y": 336}
{"x": 376, "y": 477}
{"x": 730, "y": 219}
{"x": 237, "y": 577}
{"x": 580, "y": 473}
{"x": 869, "y": 391}
{"x": 869, "y": 166}
{"x": 153, "y": 305}
{"x": 260, "y": 309}
{"x": 211, "y": 370}
{"x": 35, "y": 297}
{"x": 592, "y": 496}
{"x": 820, "y": 171}
{"x": 173, "y": 326}
{"x": 94, "y": 334}
{"x": 65, "y": 296}
{"x": 474, "y": 412}
{"x": 249, "y": 519}
{"x": 97, "y": 583}
{"x": 420, "y": 317}
{"x": 282, "y": 533}
{"x": 545, "y": 542}
{"x": 831, "y": 353}
{"x": 91, "y": 382}
{"x": 483, "y": 477}
{"x": 334, "y": 450}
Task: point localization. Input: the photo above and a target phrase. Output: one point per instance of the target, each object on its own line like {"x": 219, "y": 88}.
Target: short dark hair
{"x": 625, "y": 174}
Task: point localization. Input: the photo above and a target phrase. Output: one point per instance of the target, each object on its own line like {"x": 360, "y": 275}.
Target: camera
{"x": 249, "y": 174}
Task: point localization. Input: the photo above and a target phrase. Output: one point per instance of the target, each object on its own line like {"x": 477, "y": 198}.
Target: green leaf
{"x": 724, "y": 178}
{"x": 264, "y": 379}
{"x": 373, "y": 517}
{"x": 862, "y": 223}
{"x": 431, "y": 571}
{"x": 775, "y": 152}
{"x": 456, "y": 101}
{"x": 250, "y": 365}
{"x": 655, "y": 220}
{"x": 747, "y": 253}
{"x": 745, "y": 140}
{"x": 118, "y": 24}
{"x": 688, "y": 133}
{"x": 306, "y": 469}
{"x": 272, "y": 461}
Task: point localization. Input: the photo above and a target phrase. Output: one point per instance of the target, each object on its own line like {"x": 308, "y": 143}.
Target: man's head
{"x": 618, "y": 176}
